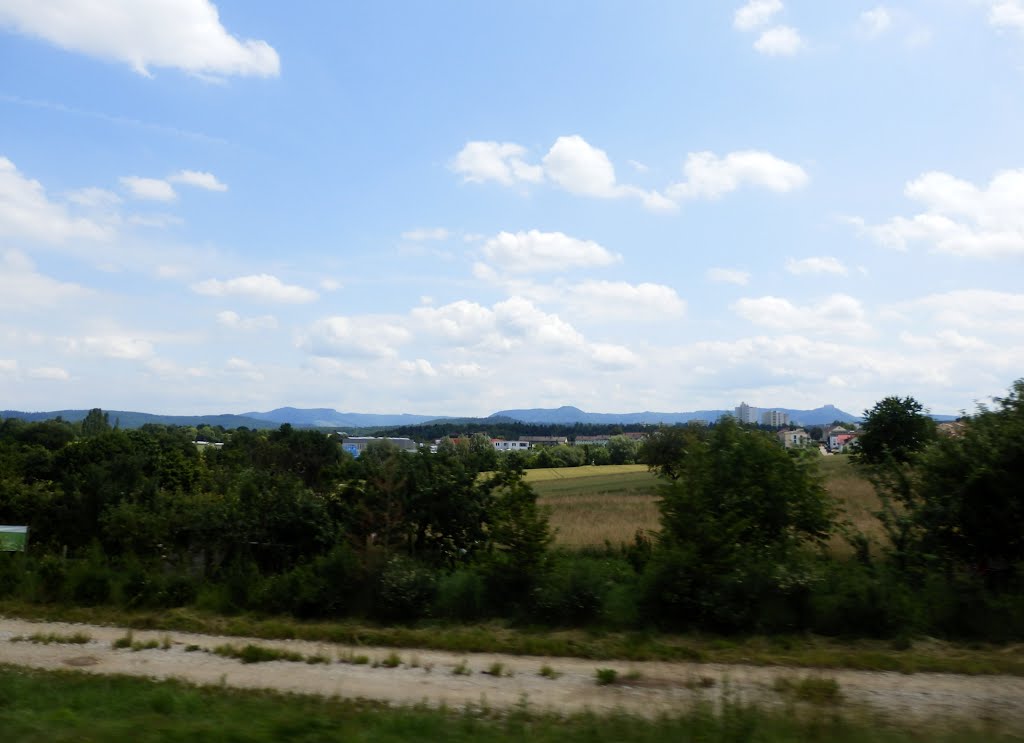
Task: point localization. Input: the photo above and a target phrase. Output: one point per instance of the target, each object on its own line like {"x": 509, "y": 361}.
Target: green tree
{"x": 968, "y": 495}
{"x": 739, "y": 514}
{"x": 894, "y": 429}
{"x": 95, "y": 423}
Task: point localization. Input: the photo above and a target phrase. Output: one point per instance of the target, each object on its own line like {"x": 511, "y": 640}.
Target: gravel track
{"x": 427, "y": 676}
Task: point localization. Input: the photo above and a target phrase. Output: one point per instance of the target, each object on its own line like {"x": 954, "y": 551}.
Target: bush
{"x": 461, "y": 595}
{"x": 405, "y": 590}
{"x": 575, "y": 590}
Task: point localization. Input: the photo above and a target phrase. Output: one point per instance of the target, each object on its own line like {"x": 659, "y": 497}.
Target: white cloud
{"x": 817, "y": 264}
{"x": 330, "y": 285}
{"x": 838, "y": 314}
{"x": 183, "y": 34}
{"x": 419, "y": 367}
{"x": 959, "y": 217}
{"x": 728, "y": 276}
{"x": 27, "y": 212}
{"x": 426, "y": 233}
{"x": 94, "y": 198}
{"x": 710, "y": 176}
{"x": 8, "y": 366}
{"x": 23, "y": 289}
{"x": 233, "y": 320}
{"x": 358, "y": 337}
{"x": 580, "y": 168}
{"x": 780, "y": 41}
{"x": 976, "y": 310}
{"x": 261, "y": 287}
{"x": 535, "y": 251}
{"x": 129, "y": 348}
{"x": 49, "y": 374}
{"x": 503, "y": 162}
{"x": 199, "y": 179}
{"x": 610, "y": 356}
{"x": 149, "y": 189}
{"x": 1007, "y": 14}
{"x": 611, "y": 298}
{"x": 876, "y": 21}
{"x": 463, "y": 371}
{"x": 244, "y": 368}
{"x": 755, "y": 14}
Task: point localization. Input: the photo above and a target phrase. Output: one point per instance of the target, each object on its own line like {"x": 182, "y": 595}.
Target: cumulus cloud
{"x": 27, "y": 212}
{"x": 755, "y": 14}
{"x": 22, "y": 288}
{"x": 358, "y": 337}
{"x": 182, "y": 34}
{"x": 838, "y": 314}
{"x": 260, "y": 287}
{"x": 94, "y": 198}
{"x": 243, "y": 368}
{"x": 502, "y": 162}
{"x": 115, "y": 346}
{"x": 779, "y": 41}
{"x": 233, "y": 320}
{"x": 49, "y": 374}
{"x": 419, "y": 367}
{"x": 535, "y": 251}
{"x": 959, "y": 217}
{"x": 580, "y": 168}
{"x": 8, "y": 366}
{"x": 876, "y": 21}
{"x": 710, "y": 176}
{"x": 817, "y": 264}
{"x": 728, "y": 276}
{"x": 199, "y": 179}
{"x": 149, "y": 189}
{"x": 1006, "y": 14}
{"x": 610, "y": 298}
{"x": 975, "y": 310}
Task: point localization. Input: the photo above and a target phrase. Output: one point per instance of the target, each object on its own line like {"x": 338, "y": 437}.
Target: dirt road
{"x": 427, "y": 676}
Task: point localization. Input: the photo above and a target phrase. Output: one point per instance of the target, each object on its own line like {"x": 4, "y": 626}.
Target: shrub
{"x": 461, "y": 595}
{"x": 405, "y": 590}
{"x": 606, "y": 676}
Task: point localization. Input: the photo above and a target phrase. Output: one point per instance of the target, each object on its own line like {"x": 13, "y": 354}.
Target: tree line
{"x": 286, "y": 522}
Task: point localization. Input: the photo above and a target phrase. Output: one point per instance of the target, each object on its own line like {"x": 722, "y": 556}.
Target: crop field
{"x": 591, "y": 505}
{"x": 594, "y": 504}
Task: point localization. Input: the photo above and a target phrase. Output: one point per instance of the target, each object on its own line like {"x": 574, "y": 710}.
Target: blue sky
{"x": 454, "y": 208}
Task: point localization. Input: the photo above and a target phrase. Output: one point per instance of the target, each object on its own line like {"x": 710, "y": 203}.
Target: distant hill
{"x": 329, "y": 418}
{"x": 569, "y": 415}
{"x": 131, "y": 419}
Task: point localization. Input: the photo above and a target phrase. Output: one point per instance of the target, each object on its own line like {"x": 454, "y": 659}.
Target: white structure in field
{"x": 775, "y": 418}
{"x": 502, "y": 445}
{"x": 746, "y": 414}
{"x": 794, "y": 439}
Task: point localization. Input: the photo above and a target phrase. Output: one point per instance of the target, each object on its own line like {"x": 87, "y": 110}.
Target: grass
{"x": 50, "y": 638}
{"x": 257, "y": 653}
{"x": 497, "y": 637}
{"x": 593, "y": 505}
{"x": 812, "y": 689}
{"x": 606, "y": 676}
{"x": 61, "y": 707}
{"x": 590, "y": 506}
{"x": 548, "y": 672}
{"x": 462, "y": 669}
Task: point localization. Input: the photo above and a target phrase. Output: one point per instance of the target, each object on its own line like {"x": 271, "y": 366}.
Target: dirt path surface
{"x": 428, "y": 676}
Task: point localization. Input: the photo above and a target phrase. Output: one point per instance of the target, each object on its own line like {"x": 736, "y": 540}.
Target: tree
{"x": 737, "y": 512}
{"x": 95, "y": 423}
{"x": 894, "y": 429}
{"x": 968, "y": 496}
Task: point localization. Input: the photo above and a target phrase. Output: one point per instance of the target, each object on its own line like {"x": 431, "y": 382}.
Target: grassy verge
{"x": 801, "y": 651}
{"x": 63, "y": 706}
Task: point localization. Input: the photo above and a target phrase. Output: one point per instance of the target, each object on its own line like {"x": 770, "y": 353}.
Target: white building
{"x": 502, "y": 445}
{"x": 775, "y": 418}
{"x": 746, "y": 414}
{"x": 794, "y": 439}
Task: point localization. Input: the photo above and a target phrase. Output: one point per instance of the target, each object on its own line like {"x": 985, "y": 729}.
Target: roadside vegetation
{"x": 915, "y": 543}
{"x": 62, "y": 706}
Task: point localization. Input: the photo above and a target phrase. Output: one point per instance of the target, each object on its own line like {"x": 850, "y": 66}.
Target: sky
{"x": 453, "y": 208}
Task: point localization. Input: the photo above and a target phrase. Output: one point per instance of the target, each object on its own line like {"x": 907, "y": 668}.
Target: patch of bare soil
{"x": 502, "y": 681}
